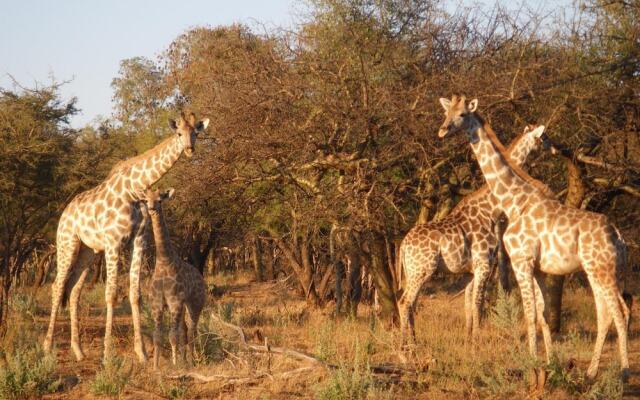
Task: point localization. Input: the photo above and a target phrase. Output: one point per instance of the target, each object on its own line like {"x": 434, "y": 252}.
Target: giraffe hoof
{"x": 592, "y": 373}
{"x": 533, "y": 379}
{"x": 542, "y": 378}
{"x": 537, "y": 379}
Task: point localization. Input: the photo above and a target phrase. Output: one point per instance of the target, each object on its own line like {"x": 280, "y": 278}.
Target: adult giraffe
{"x": 464, "y": 241}
{"x": 548, "y": 236}
{"x": 106, "y": 218}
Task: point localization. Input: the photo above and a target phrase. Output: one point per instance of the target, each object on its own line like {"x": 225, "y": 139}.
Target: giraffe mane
{"x": 506, "y": 152}
{"x": 516, "y": 168}
{"x": 120, "y": 166}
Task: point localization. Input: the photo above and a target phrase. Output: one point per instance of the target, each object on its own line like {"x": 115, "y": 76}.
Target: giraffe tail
{"x": 622, "y": 271}
{"x": 64, "y": 302}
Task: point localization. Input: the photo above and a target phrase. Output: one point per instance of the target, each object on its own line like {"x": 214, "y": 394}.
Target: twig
{"x": 376, "y": 369}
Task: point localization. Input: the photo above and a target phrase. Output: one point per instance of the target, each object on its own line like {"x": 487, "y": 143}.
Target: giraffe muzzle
{"x": 188, "y": 151}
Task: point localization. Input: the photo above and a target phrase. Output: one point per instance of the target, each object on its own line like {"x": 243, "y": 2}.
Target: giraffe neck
{"x": 139, "y": 173}
{"x": 519, "y": 149}
{"x": 164, "y": 250}
{"x": 503, "y": 182}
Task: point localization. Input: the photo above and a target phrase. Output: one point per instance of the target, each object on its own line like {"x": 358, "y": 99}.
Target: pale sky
{"x": 83, "y": 41}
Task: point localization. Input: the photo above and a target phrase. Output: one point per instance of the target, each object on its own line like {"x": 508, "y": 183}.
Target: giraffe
{"x": 175, "y": 282}
{"x": 544, "y": 235}
{"x": 464, "y": 241}
{"x": 107, "y": 218}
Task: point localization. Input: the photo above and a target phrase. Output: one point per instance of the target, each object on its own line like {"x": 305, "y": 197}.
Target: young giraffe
{"x": 464, "y": 241}
{"x": 545, "y": 235}
{"x": 104, "y": 219}
{"x": 175, "y": 282}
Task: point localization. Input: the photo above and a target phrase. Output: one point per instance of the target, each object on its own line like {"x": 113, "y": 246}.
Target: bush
{"x": 608, "y": 385}
{"x": 208, "y": 343}
{"x": 111, "y": 379}
{"x": 352, "y": 380}
{"x": 29, "y": 372}
{"x": 506, "y": 314}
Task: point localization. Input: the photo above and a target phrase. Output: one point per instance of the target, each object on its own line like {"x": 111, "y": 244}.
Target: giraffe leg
{"x": 406, "y": 308}
{"x": 604, "y": 322}
{"x": 468, "y": 307}
{"x": 542, "y": 316}
{"x": 111, "y": 257}
{"x": 158, "y": 328}
{"x": 79, "y": 275}
{"x": 192, "y": 317}
{"x": 619, "y": 311}
{"x": 480, "y": 278}
{"x": 139, "y": 244}
{"x": 175, "y": 335}
{"x": 523, "y": 269}
{"x": 67, "y": 253}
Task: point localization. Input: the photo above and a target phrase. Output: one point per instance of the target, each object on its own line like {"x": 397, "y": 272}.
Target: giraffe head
{"x": 188, "y": 129}
{"x": 153, "y": 199}
{"x": 538, "y": 133}
{"x": 459, "y": 116}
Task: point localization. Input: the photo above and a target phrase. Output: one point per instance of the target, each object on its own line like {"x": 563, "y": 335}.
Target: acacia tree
{"x": 36, "y": 175}
{"x": 331, "y": 128}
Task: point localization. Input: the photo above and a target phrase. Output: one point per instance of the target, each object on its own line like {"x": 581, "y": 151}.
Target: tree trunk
{"x": 269, "y": 260}
{"x": 44, "y": 266}
{"x": 382, "y": 277}
{"x": 339, "y": 270}
{"x": 301, "y": 268}
{"x": 354, "y": 284}
{"x": 576, "y": 191}
{"x": 256, "y": 257}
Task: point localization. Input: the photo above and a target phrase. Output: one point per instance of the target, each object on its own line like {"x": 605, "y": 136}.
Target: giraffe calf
{"x": 175, "y": 283}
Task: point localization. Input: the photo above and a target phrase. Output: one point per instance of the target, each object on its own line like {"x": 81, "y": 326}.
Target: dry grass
{"x": 496, "y": 368}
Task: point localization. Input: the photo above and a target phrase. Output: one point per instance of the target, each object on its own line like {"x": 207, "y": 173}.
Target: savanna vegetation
{"x": 320, "y": 155}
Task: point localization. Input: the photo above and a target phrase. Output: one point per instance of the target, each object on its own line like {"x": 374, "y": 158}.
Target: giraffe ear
{"x": 473, "y": 105}
{"x": 446, "y": 103}
{"x": 173, "y": 124}
{"x": 202, "y": 124}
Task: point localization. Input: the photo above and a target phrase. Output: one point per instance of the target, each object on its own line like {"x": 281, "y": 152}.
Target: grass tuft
{"x": 111, "y": 379}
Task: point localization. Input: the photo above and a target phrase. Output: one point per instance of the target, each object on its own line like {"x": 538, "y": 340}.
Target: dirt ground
{"x": 448, "y": 367}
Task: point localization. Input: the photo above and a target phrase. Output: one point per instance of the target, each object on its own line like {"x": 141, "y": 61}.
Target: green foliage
{"x": 225, "y": 310}
{"x": 351, "y": 381}
{"x": 325, "y": 346}
{"x": 506, "y": 314}
{"x": 178, "y": 391}
{"x": 608, "y": 385}
{"x": 28, "y": 373}
{"x": 209, "y": 345}
{"x": 111, "y": 378}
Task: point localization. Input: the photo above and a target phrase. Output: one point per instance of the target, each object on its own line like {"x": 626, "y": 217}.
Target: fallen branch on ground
{"x": 393, "y": 373}
{"x": 231, "y": 379}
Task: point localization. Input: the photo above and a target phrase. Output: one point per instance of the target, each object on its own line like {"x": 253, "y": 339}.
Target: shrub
{"x": 111, "y": 379}
{"x": 506, "y": 314}
{"x": 29, "y": 372}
